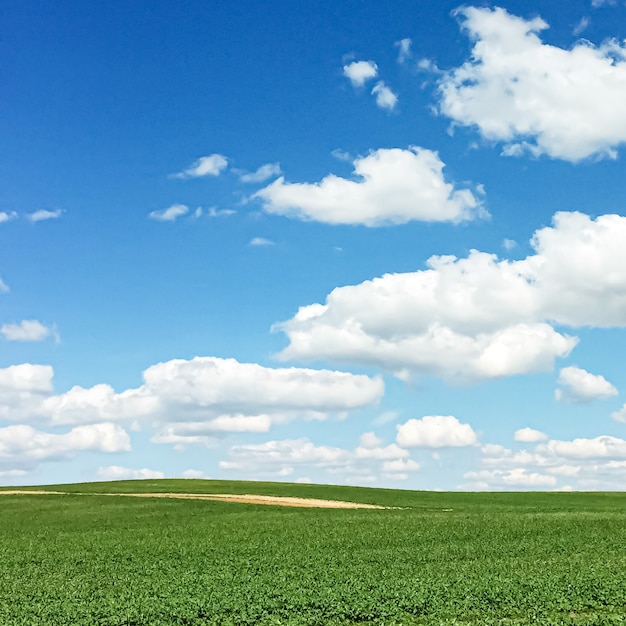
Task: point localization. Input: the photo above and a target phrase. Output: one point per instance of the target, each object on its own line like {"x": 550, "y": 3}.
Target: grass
{"x": 492, "y": 559}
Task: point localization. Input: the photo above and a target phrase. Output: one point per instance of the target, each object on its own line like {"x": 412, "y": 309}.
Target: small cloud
{"x": 116, "y": 472}
{"x": 509, "y": 244}
{"x": 4, "y": 288}
{"x": 620, "y": 416}
{"x": 26, "y": 330}
{"x": 581, "y": 26}
{"x": 342, "y": 155}
{"x": 603, "y": 3}
{"x": 404, "y": 49}
{"x": 212, "y": 165}
{"x": 385, "y": 98}
{"x": 370, "y": 441}
{"x": 261, "y": 241}
{"x": 529, "y": 435}
{"x": 358, "y": 72}
{"x": 170, "y": 214}
{"x": 7, "y": 217}
{"x": 263, "y": 173}
{"x": 579, "y": 386}
{"x": 41, "y": 215}
{"x": 198, "y": 212}
{"x": 192, "y": 473}
{"x": 304, "y": 480}
{"x": 213, "y": 212}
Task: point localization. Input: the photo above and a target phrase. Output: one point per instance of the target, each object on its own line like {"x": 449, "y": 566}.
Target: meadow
{"x": 85, "y": 558}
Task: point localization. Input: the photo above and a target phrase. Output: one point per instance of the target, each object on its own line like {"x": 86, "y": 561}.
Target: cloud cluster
{"x": 360, "y": 72}
{"x": 392, "y": 186}
{"x": 368, "y": 462}
{"x": 585, "y": 463}
{"x": 475, "y": 318}
{"x": 535, "y": 97}
{"x": 193, "y": 401}
{"x": 23, "y": 447}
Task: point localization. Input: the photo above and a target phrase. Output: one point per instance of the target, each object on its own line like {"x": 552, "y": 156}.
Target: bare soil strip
{"x": 225, "y": 497}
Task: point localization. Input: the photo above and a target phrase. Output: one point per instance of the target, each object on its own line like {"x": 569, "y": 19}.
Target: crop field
{"x": 87, "y": 556}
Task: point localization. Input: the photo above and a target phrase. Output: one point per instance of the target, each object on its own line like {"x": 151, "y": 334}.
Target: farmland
{"x": 86, "y": 557}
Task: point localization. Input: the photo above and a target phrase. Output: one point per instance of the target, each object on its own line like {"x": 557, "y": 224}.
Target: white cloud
{"x": 516, "y": 477}
{"x": 191, "y": 402}
{"x": 395, "y": 186}
{"x": 509, "y": 244}
{"x": 116, "y": 472}
{"x": 620, "y": 416}
{"x": 603, "y": 3}
{"x": 370, "y": 440}
{"x": 261, "y": 242}
{"x": 401, "y": 465}
{"x": 404, "y": 49}
{"x": 358, "y": 72}
{"x": 26, "y": 330}
{"x": 361, "y": 465}
{"x": 475, "y": 318}
{"x": 435, "y": 431}
{"x": 601, "y": 447}
{"x": 192, "y": 473}
{"x": 536, "y": 97}
{"x": 42, "y": 214}
{"x": 212, "y": 165}
{"x": 581, "y": 26}
{"x": 170, "y": 214}
{"x": 579, "y": 386}
{"x": 4, "y": 288}
{"x": 263, "y": 173}
{"x": 213, "y": 212}
{"x": 23, "y": 447}
{"x": 275, "y": 455}
{"x": 529, "y": 435}
{"x": 385, "y": 98}
{"x": 7, "y": 216}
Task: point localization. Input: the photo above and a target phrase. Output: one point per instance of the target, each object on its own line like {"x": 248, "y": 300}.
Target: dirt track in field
{"x": 222, "y": 497}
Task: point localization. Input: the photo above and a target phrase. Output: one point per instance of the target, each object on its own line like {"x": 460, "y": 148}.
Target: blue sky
{"x": 330, "y": 242}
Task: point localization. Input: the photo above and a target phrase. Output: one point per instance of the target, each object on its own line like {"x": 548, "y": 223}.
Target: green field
{"x": 443, "y": 558}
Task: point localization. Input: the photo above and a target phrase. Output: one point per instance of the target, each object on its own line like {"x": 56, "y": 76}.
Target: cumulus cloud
{"x": 212, "y": 165}
{"x": 116, "y": 472}
{"x": 579, "y": 386}
{"x": 23, "y": 448}
{"x": 193, "y": 401}
{"x": 171, "y": 214}
{"x": 620, "y": 416}
{"x": 7, "y": 216}
{"x": 385, "y": 97}
{"x": 26, "y": 330}
{"x": 475, "y": 318}
{"x": 263, "y": 173}
{"x": 192, "y": 473}
{"x": 535, "y": 97}
{"x": 394, "y": 186}
{"x": 435, "y": 431}
{"x": 4, "y": 288}
{"x": 529, "y": 435}
{"x": 42, "y": 215}
{"x": 359, "y": 72}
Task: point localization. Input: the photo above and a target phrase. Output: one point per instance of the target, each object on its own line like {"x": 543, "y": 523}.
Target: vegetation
{"x": 443, "y": 558}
